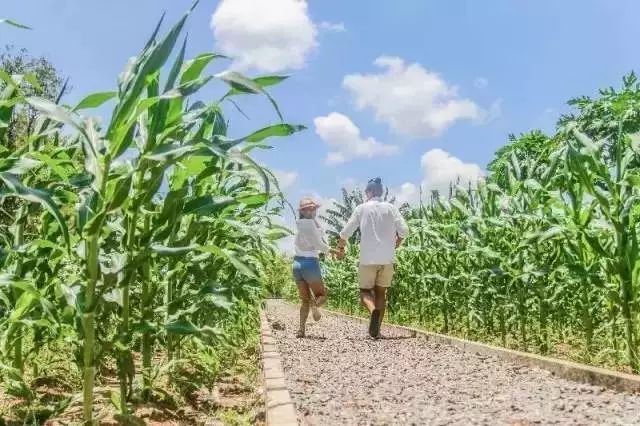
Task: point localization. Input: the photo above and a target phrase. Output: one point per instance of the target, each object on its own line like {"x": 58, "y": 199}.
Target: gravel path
{"x": 338, "y": 376}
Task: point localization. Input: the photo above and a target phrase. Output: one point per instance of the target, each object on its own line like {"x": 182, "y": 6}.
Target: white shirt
{"x": 309, "y": 241}
{"x": 379, "y": 222}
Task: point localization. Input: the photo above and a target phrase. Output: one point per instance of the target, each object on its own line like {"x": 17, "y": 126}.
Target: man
{"x": 382, "y": 229}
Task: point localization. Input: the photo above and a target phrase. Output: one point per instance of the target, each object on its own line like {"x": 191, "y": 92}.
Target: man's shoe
{"x": 374, "y": 323}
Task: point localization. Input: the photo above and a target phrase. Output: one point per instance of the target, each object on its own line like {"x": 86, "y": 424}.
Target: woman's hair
{"x": 305, "y": 214}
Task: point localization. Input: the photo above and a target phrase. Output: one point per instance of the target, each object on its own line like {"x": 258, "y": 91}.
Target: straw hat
{"x": 308, "y": 203}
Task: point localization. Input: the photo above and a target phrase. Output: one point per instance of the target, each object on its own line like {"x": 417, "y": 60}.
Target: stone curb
{"x": 573, "y": 371}
{"x": 279, "y": 408}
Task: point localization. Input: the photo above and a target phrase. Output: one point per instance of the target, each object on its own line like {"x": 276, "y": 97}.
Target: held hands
{"x": 338, "y": 252}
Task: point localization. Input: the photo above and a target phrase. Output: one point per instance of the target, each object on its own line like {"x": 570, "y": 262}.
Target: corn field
{"x": 541, "y": 255}
{"x": 133, "y": 240}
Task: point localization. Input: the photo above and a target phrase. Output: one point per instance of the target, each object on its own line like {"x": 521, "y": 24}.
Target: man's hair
{"x": 374, "y": 187}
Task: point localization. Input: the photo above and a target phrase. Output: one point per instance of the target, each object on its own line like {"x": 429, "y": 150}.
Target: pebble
{"x": 348, "y": 379}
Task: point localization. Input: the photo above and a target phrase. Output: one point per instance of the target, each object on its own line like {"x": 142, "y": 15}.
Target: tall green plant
{"x": 154, "y": 262}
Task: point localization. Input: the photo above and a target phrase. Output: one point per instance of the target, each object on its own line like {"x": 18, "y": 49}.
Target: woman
{"x": 309, "y": 243}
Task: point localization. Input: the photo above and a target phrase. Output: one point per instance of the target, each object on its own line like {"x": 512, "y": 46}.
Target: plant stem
{"x": 88, "y": 321}
{"x": 147, "y": 316}
{"x": 18, "y": 360}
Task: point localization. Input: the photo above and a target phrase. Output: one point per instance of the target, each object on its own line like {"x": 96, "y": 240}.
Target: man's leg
{"x": 367, "y": 279}
{"x": 384, "y": 275}
{"x": 367, "y": 299}
{"x": 381, "y": 299}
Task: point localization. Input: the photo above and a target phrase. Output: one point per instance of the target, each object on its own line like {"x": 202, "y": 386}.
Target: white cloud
{"x": 267, "y": 36}
{"x": 439, "y": 170}
{"x": 406, "y": 193}
{"x": 412, "y": 100}
{"x": 285, "y": 178}
{"x": 336, "y": 27}
{"x": 344, "y": 138}
{"x": 481, "y": 82}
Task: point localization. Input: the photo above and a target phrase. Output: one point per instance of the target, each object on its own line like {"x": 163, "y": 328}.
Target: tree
{"x": 534, "y": 145}
{"x": 42, "y": 79}
{"x": 338, "y": 216}
{"x": 602, "y": 118}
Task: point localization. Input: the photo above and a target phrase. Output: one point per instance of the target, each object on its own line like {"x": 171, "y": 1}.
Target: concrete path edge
{"x": 573, "y": 371}
{"x": 279, "y": 407}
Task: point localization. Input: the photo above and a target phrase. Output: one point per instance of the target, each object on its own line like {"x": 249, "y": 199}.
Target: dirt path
{"x": 338, "y": 376}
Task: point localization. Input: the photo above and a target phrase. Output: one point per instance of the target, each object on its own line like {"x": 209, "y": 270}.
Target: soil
{"x": 235, "y": 399}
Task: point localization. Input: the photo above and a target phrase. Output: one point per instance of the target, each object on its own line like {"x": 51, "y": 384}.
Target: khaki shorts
{"x": 375, "y": 275}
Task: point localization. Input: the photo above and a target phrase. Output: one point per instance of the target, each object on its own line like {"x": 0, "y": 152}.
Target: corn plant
{"x": 542, "y": 254}
{"x": 139, "y": 228}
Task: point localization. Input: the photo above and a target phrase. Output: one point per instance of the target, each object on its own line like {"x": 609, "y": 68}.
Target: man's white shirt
{"x": 379, "y": 222}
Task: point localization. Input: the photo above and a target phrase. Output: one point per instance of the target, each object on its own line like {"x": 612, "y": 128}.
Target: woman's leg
{"x": 305, "y": 296}
{"x": 319, "y": 291}
{"x": 316, "y": 283}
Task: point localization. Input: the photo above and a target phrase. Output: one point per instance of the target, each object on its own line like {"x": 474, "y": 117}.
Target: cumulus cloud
{"x": 411, "y": 99}
{"x": 440, "y": 169}
{"x": 267, "y": 36}
{"x": 345, "y": 140}
{"x": 406, "y": 193}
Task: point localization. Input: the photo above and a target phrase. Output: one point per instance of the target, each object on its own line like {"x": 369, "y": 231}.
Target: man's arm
{"x": 349, "y": 228}
{"x": 402, "y": 229}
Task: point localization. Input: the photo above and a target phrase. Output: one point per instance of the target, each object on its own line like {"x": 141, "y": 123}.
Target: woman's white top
{"x": 309, "y": 240}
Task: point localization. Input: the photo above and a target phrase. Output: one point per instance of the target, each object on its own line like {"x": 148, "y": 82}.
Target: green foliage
{"x": 534, "y": 145}
{"x": 144, "y": 235}
{"x": 40, "y": 78}
{"x": 277, "y": 279}
{"x": 542, "y": 256}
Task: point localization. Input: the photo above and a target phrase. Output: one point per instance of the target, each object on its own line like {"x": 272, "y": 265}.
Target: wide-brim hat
{"x": 308, "y": 203}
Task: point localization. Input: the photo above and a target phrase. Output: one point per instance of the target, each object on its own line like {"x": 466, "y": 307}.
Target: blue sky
{"x": 414, "y": 91}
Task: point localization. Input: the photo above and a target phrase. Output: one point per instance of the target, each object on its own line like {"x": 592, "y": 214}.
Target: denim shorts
{"x": 306, "y": 269}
